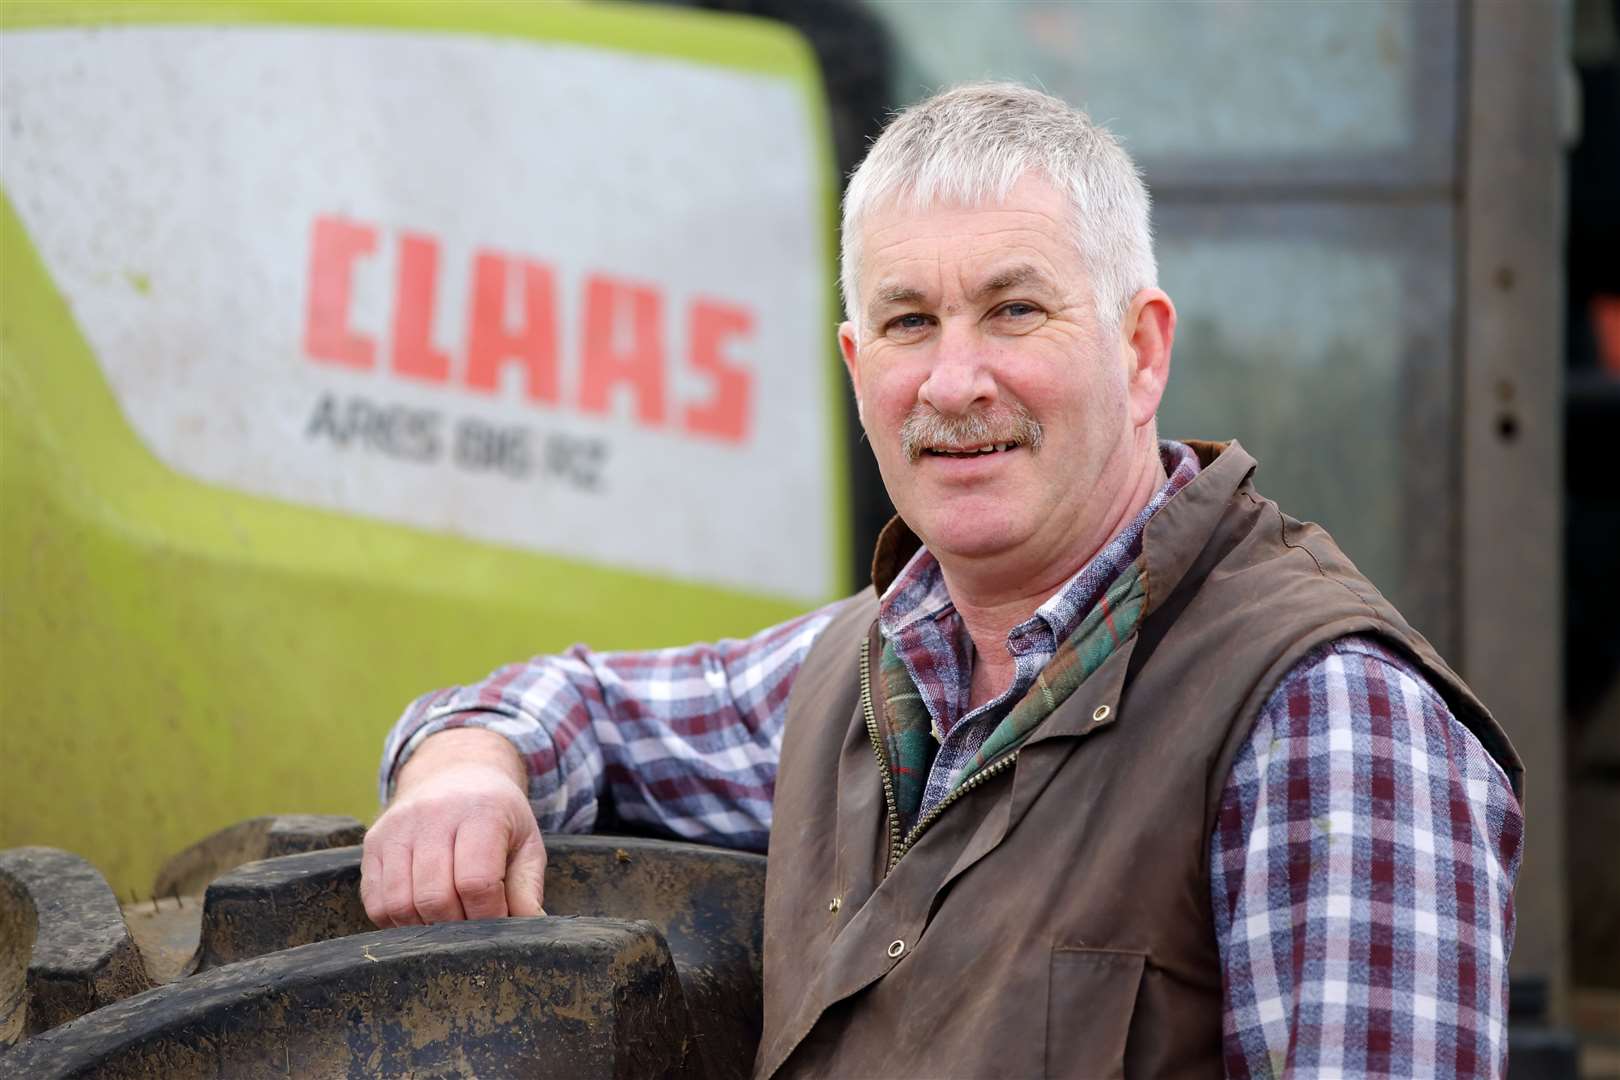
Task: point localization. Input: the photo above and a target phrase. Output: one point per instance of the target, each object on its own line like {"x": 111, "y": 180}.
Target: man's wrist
{"x": 459, "y": 747}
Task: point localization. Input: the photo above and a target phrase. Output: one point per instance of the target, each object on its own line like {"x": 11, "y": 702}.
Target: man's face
{"x": 988, "y": 314}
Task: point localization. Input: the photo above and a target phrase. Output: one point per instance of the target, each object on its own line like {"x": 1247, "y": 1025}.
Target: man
{"x": 1116, "y": 767}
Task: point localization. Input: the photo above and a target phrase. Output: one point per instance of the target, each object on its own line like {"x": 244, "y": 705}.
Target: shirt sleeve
{"x": 1362, "y": 872}
{"x": 683, "y": 740}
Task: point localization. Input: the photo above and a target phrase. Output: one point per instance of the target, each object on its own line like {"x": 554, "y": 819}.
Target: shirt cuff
{"x": 541, "y": 790}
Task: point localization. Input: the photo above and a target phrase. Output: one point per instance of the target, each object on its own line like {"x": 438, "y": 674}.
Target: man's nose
{"x": 959, "y": 380}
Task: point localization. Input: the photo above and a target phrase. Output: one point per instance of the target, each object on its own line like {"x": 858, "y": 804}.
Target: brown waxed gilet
{"x": 1056, "y": 920}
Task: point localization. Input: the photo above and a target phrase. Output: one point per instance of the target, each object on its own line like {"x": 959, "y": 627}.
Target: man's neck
{"x": 993, "y": 596}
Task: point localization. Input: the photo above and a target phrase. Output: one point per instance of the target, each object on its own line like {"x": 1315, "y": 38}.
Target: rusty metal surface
{"x": 18, "y": 924}
{"x": 555, "y": 997}
{"x": 189, "y": 872}
{"x": 83, "y": 956}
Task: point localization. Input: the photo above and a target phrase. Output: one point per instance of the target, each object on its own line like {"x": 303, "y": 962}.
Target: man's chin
{"x": 969, "y": 536}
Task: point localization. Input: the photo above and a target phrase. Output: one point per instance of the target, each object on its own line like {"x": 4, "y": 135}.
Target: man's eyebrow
{"x": 893, "y": 295}
{"x": 1011, "y": 278}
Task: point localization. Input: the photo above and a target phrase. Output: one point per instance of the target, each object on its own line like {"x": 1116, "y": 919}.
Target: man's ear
{"x": 1149, "y": 331}
{"x": 846, "y": 346}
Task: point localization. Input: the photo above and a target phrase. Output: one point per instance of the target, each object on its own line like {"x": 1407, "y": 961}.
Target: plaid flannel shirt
{"x": 1361, "y": 869}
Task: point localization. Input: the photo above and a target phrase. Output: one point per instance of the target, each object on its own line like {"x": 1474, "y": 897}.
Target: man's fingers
{"x": 461, "y": 844}
{"x": 371, "y": 888}
{"x": 526, "y": 877}
{"x": 399, "y": 906}
{"x": 480, "y": 868}
{"x": 433, "y": 885}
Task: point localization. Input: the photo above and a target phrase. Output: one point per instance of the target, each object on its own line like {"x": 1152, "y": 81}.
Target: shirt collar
{"x": 918, "y": 591}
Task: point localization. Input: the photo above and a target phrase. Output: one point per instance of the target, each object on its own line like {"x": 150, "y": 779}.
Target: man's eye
{"x": 908, "y": 323}
{"x": 1018, "y": 309}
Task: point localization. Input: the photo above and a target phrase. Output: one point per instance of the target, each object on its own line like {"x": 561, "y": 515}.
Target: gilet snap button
{"x": 1101, "y": 713}
{"x": 896, "y": 948}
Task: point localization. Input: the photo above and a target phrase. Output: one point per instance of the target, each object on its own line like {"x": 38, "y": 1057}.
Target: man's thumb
{"x": 526, "y": 878}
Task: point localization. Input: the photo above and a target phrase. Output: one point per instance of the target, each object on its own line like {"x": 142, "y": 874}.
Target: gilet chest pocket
{"x": 1089, "y": 1004}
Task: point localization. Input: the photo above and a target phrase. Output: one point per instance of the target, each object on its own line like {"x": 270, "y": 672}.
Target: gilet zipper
{"x": 897, "y": 847}
{"x": 995, "y": 768}
{"x": 877, "y": 748}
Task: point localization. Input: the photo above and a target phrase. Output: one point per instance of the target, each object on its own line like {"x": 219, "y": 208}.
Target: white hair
{"x": 970, "y": 145}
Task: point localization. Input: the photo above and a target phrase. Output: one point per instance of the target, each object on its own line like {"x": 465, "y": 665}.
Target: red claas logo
{"x": 498, "y": 337}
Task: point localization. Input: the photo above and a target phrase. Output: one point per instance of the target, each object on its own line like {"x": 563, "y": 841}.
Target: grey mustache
{"x": 926, "y": 428}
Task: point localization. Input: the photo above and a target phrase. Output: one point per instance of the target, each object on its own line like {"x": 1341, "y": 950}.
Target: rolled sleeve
{"x": 683, "y": 740}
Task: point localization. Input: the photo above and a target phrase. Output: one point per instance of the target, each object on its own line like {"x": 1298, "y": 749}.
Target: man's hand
{"x": 459, "y": 840}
